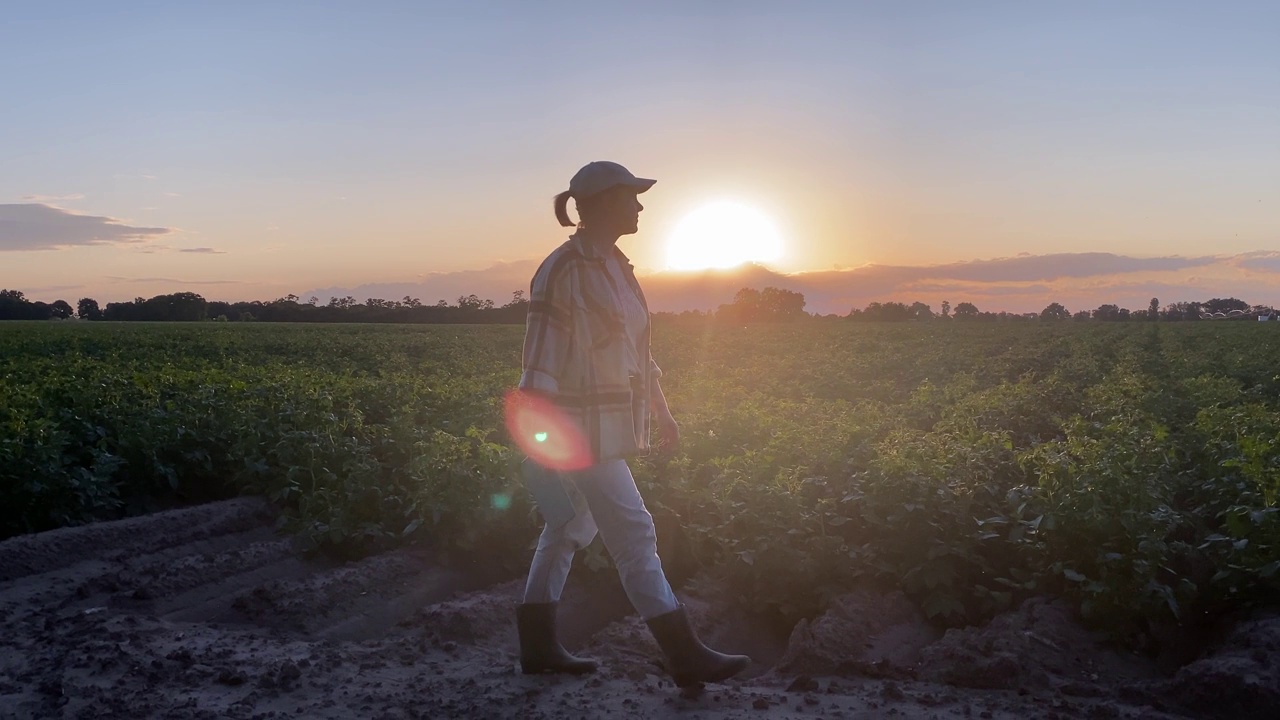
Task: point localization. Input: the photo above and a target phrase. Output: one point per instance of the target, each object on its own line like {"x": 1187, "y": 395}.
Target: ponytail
{"x": 562, "y": 209}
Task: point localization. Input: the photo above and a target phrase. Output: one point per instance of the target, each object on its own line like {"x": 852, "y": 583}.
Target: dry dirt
{"x": 207, "y": 612}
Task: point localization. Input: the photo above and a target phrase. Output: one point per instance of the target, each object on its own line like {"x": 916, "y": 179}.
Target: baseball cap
{"x": 601, "y": 175}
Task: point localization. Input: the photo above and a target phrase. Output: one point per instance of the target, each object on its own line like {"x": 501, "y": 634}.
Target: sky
{"x": 248, "y": 150}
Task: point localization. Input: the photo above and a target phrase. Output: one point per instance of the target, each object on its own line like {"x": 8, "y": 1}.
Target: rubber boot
{"x": 688, "y": 660}
{"x": 540, "y": 652}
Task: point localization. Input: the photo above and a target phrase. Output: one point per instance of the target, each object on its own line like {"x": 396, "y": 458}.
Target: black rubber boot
{"x": 688, "y": 660}
{"x": 540, "y": 652}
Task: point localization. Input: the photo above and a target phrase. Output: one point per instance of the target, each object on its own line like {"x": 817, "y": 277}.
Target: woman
{"x": 586, "y": 350}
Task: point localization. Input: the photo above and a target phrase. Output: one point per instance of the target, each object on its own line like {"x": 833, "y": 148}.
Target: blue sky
{"x": 289, "y": 146}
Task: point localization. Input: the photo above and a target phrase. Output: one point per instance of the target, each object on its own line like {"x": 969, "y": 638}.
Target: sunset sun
{"x": 723, "y": 235}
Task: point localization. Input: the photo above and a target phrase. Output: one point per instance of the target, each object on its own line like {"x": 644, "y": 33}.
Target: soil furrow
{"x": 208, "y": 613}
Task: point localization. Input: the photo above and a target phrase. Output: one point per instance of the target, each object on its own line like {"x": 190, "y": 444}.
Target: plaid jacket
{"x": 574, "y": 349}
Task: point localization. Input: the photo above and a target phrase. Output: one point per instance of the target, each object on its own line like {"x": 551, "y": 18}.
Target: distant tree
{"x": 966, "y": 310}
{"x": 1081, "y": 315}
{"x": 411, "y": 302}
{"x": 473, "y": 302}
{"x": 179, "y": 306}
{"x": 744, "y": 308}
{"x": 87, "y": 309}
{"x": 62, "y": 310}
{"x": 517, "y": 299}
{"x": 920, "y": 311}
{"x": 313, "y": 300}
{"x": 1055, "y": 311}
{"x": 946, "y": 309}
{"x": 1107, "y": 313}
{"x": 888, "y": 312}
{"x": 780, "y": 304}
{"x": 1225, "y": 305}
{"x": 1182, "y": 311}
{"x": 770, "y": 304}
{"x": 14, "y": 306}
{"x": 1153, "y": 310}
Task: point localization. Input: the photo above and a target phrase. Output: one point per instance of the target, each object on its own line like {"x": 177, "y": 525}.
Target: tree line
{"x": 1214, "y": 308}
{"x": 189, "y": 307}
{"x": 773, "y": 304}
{"x": 770, "y": 304}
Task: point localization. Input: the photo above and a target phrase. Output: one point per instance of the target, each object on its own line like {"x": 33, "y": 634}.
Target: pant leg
{"x": 554, "y": 556}
{"x": 627, "y": 530}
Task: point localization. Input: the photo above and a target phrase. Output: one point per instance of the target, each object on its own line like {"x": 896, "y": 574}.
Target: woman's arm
{"x": 668, "y": 430}
{"x": 548, "y": 330}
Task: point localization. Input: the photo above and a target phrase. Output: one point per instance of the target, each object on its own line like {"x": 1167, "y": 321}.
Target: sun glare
{"x": 723, "y": 235}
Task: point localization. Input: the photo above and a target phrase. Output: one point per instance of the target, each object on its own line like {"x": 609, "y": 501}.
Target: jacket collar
{"x": 594, "y": 251}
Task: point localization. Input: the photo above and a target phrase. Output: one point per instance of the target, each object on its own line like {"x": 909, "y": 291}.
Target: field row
{"x": 1131, "y": 468}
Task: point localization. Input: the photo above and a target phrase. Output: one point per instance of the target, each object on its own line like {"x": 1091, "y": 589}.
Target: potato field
{"x": 1129, "y": 470}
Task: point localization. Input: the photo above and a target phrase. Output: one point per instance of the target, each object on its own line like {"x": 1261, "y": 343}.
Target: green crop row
{"x": 1133, "y": 469}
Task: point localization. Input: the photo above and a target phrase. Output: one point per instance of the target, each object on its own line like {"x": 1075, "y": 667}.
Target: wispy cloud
{"x": 174, "y": 281}
{"x": 49, "y": 289}
{"x": 1268, "y": 262}
{"x": 52, "y": 199}
{"x": 1022, "y": 283}
{"x": 39, "y": 226}
{"x": 153, "y": 249}
{"x": 1037, "y": 268}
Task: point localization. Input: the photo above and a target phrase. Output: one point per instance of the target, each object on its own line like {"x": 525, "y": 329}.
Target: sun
{"x": 723, "y": 235}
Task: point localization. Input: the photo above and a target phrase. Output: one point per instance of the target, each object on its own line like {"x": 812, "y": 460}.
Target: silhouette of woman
{"x": 586, "y": 350}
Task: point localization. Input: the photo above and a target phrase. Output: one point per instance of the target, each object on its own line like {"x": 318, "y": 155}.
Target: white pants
{"x": 605, "y": 498}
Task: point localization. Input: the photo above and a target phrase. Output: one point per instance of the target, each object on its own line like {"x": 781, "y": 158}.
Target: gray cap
{"x": 601, "y": 175}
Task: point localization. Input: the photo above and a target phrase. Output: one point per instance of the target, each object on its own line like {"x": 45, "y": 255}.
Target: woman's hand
{"x": 660, "y": 415}
{"x": 668, "y": 432}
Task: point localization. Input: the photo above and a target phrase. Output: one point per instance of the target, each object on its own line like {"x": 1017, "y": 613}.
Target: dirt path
{"x": 207, "y": 613}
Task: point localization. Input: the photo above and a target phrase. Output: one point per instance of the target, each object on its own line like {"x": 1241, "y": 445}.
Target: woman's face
{"x": 616, "y": 210}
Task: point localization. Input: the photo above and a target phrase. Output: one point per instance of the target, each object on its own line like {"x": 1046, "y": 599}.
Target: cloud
{"x": 932, "y": 288}
{"x": 496, "y": 283}
{"x": 1026, "y": 283}
{"x": 173, "y": 281}
{"x": 1267, "y": 262}
{"x": 204, "y": 251}
{"x": 49, "y": 289}
{"x": 1033, "y": 268}
{"x": 49, "y": 199}
{"x": 1017, "y": 284}
{"x": 39, "y": 226}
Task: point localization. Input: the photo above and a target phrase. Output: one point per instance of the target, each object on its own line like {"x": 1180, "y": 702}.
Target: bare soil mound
{"x": 1239, "y": 679}
{"x": 868, "y": 633}
{"x": 1039, "y": 646}
{"x": 207, "y": 612}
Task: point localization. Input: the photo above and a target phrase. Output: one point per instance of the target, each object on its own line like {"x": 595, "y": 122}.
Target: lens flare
{"x": 545, "y": 432}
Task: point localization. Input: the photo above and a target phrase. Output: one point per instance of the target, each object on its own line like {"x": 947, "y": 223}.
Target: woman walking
{"x": 586, "y": 351}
